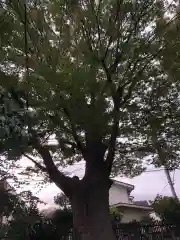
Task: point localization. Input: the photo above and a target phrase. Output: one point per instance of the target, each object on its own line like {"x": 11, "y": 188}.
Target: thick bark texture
{"x": 91, "y": 211}
{"x": 90, "y": 196}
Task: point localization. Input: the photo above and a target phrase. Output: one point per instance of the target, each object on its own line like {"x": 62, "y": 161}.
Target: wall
{"x": 130, "y": 214}
{"x": 118, "y": 194}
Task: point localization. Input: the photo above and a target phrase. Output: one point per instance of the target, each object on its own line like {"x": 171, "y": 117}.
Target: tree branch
{"x": 87, "y": 36}
{"x": 62, "y": 181}
{"x": 115, "y": 128}
{"x": 74, "y": 133}
{"x": 97, "y": 21}
{"x": 79, "y": 144}
{"x": 118, "y": 27}
{"x": 42, "y": 168}
{"x": 114, "y": 65}
{"x": 119, "y": 102}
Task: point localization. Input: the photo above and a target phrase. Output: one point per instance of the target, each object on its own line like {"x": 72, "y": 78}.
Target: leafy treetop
{"x": 74, "y": 70}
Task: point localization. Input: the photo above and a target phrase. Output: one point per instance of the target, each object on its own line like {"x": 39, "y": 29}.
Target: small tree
{"x": 19, "y": 212}
{"x": 167, "y": 208}
{"x": 62, "y": 201}
{"x": 24, "y": 221}
{"x": 59, "y": 226}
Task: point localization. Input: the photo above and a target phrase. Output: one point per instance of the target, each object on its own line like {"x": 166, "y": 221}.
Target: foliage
{"x": 93, "y": 54}
{"x": 156, "y": 118}
{"x": 92, "y": 76}
{"x": 23, "y": 219}
{"x": 167, "y": 208}
{"x": 57, "y": 227}
{"x": 62, "y": 201}
{"x": 13, "y": 204}
{"x": 18, "y": 212}
{"x": 41, "y": 227}
{"x": 148, "y": 220}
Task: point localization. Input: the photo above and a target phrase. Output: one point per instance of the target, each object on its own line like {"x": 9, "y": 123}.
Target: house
{"x": 121, "y": 200}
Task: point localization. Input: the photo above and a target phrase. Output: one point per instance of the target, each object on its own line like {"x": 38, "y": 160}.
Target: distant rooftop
{"x": 142, "y": 203}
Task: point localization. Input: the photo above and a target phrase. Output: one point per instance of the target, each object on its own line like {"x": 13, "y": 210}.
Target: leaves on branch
{"x": 96, "y": 73}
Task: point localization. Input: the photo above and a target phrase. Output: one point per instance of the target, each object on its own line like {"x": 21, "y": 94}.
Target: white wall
{"x": 118, "y": 194}
{"x": 130, "y": 214}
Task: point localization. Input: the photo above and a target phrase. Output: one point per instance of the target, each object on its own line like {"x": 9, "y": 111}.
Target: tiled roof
{"x": 142, "y": 203}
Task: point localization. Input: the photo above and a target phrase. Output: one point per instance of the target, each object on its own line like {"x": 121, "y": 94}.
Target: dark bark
{"x": 163, "y": 157}
{"x": 65, "y": 183}
{"x": 171, "y": 184}
{"x": 90, "y": 204}
{"x": 90, "y": 196}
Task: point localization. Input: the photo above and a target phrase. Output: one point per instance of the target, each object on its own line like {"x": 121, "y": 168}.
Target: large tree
{"x": 72, "y": 70}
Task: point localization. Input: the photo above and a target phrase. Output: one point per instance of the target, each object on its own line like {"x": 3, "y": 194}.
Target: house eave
{"x": 128, "y": 205}
{"x": 130, "y": 187}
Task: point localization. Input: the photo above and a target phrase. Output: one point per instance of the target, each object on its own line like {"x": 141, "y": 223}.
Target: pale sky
{"x": 147, "y": 185}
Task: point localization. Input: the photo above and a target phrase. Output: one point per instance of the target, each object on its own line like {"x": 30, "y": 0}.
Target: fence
{"x": 138, "y": 231}
{"x": 153, "y": 231}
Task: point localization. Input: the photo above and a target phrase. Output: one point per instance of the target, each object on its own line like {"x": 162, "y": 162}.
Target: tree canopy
{"x": 167, "y": 208}
{"x": 23, "y": 220}
{"x": 85, "y": 61}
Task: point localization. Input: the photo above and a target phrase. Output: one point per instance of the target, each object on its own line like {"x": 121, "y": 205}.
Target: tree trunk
{"x": 171, "y": 184}
{"x": 90, "y": 206}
